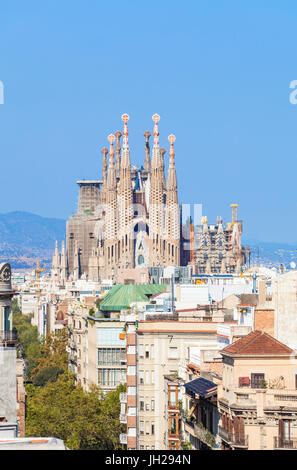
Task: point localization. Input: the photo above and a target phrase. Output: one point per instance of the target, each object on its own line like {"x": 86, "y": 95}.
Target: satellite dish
{"x": 293, "y": 265}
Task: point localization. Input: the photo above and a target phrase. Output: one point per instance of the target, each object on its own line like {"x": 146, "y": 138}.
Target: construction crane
{"x": 38, "y": 271}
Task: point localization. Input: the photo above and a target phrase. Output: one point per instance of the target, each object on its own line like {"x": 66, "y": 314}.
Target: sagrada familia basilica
{"x": 131, "y": 218}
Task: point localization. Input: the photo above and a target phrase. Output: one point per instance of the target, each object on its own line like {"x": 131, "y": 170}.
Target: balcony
{"x": 72, "y": 357}
{"x": 123, "y": 397}
{"x": 234, "y": 440}
{"x": 123, "y": 439}
{"x": 205, "y": 436}
{"x": 123, "y": 418}
{"x": 8, "y": 336}
{"x": 281, "y": 443}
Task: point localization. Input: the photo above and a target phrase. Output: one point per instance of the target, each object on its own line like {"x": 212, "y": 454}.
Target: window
{"x": 147, "y": 404}
{"x": 111, "y": 356}
{"x": 173, "y": 424}
{"x": 131, "y": 350}
{"x": 147, "y": 377}
{"x": 153, "y": 428}
{"x": 132, "y": 432}
{"x": 257, "y": 380}
{"x": 131, "y": 390}
{"x": 173, "y": 353}
{"x": 153, "y": 351}
{"x": 141, "y": 376}
{"x": 153, "y": 405}
{"x": 141, "y": 404}
{"x": 140, "y": 259}
{"x": 7, "y": 321}
{"x": 111, "y": 377}
{"x": 147, "y": 353}
{"x": 147, "y": 427}
{"x": 131, "y": 370}
{"x": 153, "y": 377}
{"x": 131, "y": 411}
{"x": 131, "y": 329}
{"x": 141, "y": 350}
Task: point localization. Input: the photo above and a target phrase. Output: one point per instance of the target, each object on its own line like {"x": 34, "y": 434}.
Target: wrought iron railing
{"x": 282, "y": 443}
{"x": 236, "y": 440}
{"x": 8, "y": 336}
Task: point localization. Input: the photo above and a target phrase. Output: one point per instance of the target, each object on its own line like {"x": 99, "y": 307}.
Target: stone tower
{"x": 125, "y": 205}
{"x": 172, "y": 211}
{"x": 156, "y": 208}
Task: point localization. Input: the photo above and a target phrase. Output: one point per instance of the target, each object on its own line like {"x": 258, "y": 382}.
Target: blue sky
{"x": 218, "y": 73}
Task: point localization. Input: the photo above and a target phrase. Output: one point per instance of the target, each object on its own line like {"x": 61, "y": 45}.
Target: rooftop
{"x": 122, "y": 296}
{"x": 257, "y": 343}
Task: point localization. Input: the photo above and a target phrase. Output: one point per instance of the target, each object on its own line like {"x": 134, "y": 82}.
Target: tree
{"x": 50, "y": 374}
{"x": 52, "y": 353}
{"x": 84, "y": 420}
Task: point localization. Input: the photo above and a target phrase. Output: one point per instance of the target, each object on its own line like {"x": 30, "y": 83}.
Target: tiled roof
{"x": 257, "y": 343}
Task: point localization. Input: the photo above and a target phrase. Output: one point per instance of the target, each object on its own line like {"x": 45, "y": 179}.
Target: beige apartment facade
{"x": 163, "y": 351}
{"x": 257, "y": 398}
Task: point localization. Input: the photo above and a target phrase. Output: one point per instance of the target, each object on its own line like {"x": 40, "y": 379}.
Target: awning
{"x": 201, "y": 387}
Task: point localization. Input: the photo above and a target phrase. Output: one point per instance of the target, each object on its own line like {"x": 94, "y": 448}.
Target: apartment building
{"x": 106, "y": 352}
{"x": 257, "y": 398}
{"x": 157, "y": 349}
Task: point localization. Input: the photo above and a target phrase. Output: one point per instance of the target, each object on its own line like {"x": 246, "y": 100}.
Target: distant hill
{"x": 26, "y": 237}
{"x": 272, "y": 254}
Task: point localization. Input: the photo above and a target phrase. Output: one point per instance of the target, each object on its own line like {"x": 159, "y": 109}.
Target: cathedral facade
{"x": 130, "y": 222}
{"x": 129, "y": 219}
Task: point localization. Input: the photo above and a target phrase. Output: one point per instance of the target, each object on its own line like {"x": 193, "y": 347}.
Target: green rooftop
{"x": 121, "y": 296}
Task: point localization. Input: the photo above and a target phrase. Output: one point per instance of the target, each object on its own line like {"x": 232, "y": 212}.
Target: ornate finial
{"x": 147, "y": 135}
{"x": 156, "y": 119}
{"x": 125, "y": 118}
{"x": 104, "y": 151}
{"x": 171, "y": 139}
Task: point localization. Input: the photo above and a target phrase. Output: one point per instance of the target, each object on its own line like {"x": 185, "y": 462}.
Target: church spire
{"x": 156, "y": 119}
{"x": 104, "y": 152}
{"x": 118, "y": 135}
{"x": 56, "y": 258}
{"x": 163, "y": 151}
{"x": 147, "y": 161}
{"x": 171, "y": 180}
{"x": 125, "y": 119}
{"x": 111, "y": 179}
{"x": 55, "y": 273}
{"x": 172, "y": 210}
{"x": 63, "y": 262}
{"x": 125, "y": 202}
